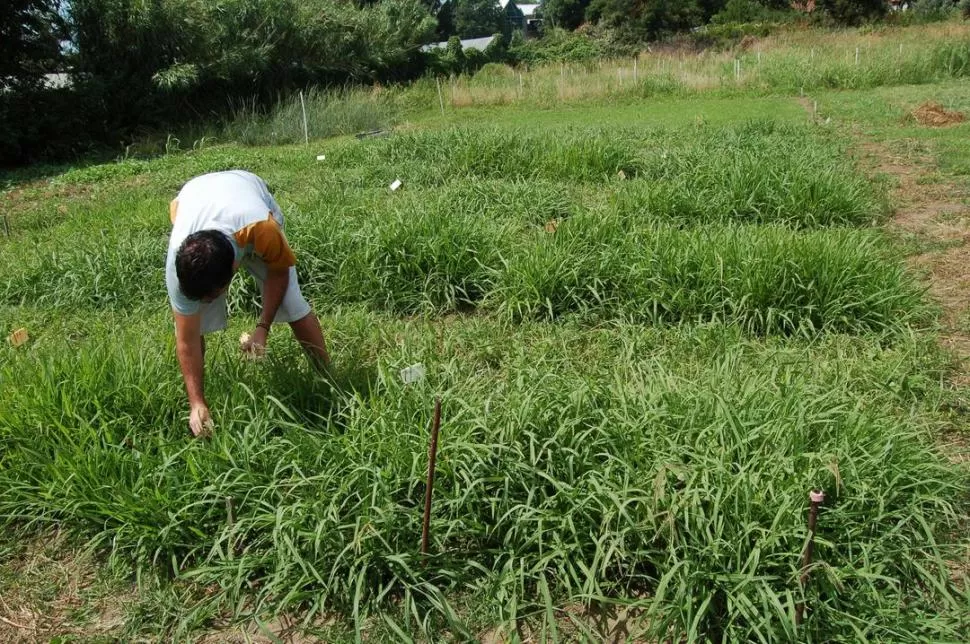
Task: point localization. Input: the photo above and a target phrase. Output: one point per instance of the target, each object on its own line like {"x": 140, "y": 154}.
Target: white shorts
{"x": 294, "y": 306}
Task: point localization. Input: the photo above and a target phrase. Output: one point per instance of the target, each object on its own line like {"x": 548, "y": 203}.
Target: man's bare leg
{"x": 310, "y": 336}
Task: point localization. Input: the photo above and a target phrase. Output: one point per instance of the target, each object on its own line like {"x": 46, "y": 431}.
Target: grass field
{"x": 654, "y": 326}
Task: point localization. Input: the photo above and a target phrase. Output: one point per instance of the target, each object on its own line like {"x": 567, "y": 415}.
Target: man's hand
{"x": 253, "y": 344}
{"x": 200, "y": 422}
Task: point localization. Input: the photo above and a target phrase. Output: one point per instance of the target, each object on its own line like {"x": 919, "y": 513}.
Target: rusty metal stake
{"x": 816, "y": 497}
{"x": 429, "y": 485}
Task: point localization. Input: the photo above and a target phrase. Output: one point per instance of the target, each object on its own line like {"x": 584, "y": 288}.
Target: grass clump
{"x": 659, "y": 368}
{"x": 765, "y": 279}
{"x": 595, "y": 464}
{"x": 328, "y": 113}
{"x": 536, "y": 226}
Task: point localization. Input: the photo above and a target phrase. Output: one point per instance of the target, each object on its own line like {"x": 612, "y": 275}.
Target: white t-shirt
{"x": 239, "y": 205}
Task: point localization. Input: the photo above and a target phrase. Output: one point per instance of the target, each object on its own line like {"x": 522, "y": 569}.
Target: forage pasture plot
{"x": 663, "y": 467}
{"x": 636, "y": 399}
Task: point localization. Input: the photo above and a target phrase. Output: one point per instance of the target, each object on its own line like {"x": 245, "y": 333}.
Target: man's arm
{"x": 270, "y": 245}
{"x": 188, "y": 348}
{"x": 274, "y": 288}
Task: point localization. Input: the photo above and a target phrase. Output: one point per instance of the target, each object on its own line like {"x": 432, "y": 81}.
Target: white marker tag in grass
{"x": 414, "y": 373}
{"x": 321, "y": 157}
{"x": 248, "y": 352}
{"x": 395, "y": 185}
{"x": 18, "y": 337}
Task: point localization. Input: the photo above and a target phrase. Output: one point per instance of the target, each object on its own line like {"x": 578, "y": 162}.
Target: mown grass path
{"x": 935, "y": 215}
{"x": 931, "y": 211}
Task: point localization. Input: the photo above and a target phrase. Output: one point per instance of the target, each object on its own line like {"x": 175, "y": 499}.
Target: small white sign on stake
{"x": 321, "y": 157}
{"x": 397, "y": 184}
{"x": 414, "y": 373}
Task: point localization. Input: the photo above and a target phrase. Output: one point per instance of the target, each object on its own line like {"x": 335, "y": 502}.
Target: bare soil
{"x": 935, "y": 115}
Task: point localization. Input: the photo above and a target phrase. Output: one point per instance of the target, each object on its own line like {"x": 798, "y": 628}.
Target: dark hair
{"x": 204, "y": 263}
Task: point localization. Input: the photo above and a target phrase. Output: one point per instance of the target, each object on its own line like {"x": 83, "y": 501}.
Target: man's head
{"x": 204, "y": 264}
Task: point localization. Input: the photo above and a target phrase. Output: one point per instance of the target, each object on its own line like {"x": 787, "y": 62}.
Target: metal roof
{"x": 470, "y": 43}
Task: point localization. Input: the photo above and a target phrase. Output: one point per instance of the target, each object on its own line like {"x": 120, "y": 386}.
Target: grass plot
{"x": 642, "y": 377}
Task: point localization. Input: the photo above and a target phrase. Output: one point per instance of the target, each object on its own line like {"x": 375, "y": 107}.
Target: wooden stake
{"x": 441, "y": 100}
{"x": 429, "y": 485}
{"x": 6, "y": 226}
{"x": 635, "y": 70}
{"x": 816, "y": 497}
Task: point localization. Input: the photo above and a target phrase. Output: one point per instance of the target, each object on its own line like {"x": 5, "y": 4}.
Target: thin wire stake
{"x": 816, "y": 497}
{"x": 429, "y": 485}
{"x": 441, "y": 100}
{"x": 306, "y": 130}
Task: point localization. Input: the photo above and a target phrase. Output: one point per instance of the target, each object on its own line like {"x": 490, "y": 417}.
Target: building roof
{"x": 470, "y": 43}
{"x": 528, "y": 10}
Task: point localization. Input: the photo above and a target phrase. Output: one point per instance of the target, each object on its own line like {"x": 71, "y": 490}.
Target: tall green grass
{"x": 318, "y": 114}
{"x": 659, "y": 368}
{"x": 537, "y": 226}
{"x": 576, "y": 466}
{"x": 790, "y": 62}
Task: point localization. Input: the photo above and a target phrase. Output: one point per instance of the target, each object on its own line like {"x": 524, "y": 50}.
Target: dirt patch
{"x": 936, "y": 216}
{"x": 935, "y": 115}
{"x": 278, "y": 629}
{"x": 49, "y": 589}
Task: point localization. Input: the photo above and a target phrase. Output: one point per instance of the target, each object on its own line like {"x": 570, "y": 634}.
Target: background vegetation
{"x": 127, "y": 68}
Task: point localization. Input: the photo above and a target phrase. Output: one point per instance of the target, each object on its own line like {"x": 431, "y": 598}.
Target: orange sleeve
{"x": 173, "y": 209}
{"x": 268, "y": 243}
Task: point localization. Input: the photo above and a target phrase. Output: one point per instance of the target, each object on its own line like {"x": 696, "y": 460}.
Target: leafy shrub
{"x": 559, "y": 45}
{"x": 747, "y": 11}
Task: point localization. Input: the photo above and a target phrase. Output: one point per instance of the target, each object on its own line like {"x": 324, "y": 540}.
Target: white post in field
{"x": 441, "y": 100}
{"x": 306, "y": 129}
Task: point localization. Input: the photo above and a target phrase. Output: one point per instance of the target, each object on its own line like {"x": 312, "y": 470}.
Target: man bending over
{"x": 221, "y": 221}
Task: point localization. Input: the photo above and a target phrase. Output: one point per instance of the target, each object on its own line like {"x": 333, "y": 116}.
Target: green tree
{"x": 30, "y": 34}
{"x": 853, "y": 12}
{"x": 645, "y": 19}
{"x": 478, "y": 18}
{"x": 446, "y": 21}
{"x": 566, "y": 14}
{"x": 749, "y": 11}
